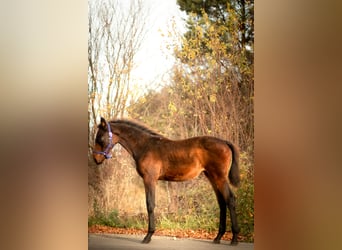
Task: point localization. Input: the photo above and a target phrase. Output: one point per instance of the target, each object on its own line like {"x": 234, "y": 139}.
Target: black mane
{"x": 137, "y": 126}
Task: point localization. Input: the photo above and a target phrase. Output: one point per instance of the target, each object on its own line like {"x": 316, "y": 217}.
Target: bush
{"x": 107, "y": 219}
{"x": 245, "y": 199}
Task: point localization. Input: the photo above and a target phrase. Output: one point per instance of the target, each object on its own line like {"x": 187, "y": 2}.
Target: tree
{"x": 215, "y": 68}
{"x": 216, "y": 10}
{"x": 116, "y": 31}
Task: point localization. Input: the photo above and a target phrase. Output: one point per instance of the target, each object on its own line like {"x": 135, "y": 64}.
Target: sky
{"x": 153, "y": 60}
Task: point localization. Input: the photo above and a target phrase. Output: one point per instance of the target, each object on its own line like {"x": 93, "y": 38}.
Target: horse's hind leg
{"x": 221, "y": 199}
{"x": 150, "y": 204}
{"x": 235, "y": 227}
{"x": 226, "y": 198}
{"x": 223, "y": 216}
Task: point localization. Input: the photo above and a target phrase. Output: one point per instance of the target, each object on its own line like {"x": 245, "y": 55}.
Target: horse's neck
{"x": 133, "y": 142}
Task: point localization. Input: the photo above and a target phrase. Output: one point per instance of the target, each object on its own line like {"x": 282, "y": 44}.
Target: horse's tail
{"x": 234, "y": 173}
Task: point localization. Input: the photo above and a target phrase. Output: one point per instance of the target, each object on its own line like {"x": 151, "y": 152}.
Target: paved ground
{"x": 133, "y": 242}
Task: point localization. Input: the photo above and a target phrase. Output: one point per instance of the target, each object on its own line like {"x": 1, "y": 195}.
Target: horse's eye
{"x": 100, "y": 141}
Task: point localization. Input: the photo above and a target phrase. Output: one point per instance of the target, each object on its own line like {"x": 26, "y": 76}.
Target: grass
{"x": 204, "y": 217}
{"x": 193, "y": 222}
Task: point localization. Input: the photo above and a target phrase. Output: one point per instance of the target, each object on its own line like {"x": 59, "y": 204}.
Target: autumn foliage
{"x": 210, "y": 92}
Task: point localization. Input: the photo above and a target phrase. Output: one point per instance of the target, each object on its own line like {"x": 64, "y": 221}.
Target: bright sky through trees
{"x": 153, "y": 60}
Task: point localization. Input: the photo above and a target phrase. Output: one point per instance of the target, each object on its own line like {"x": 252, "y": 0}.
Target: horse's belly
{"x": 181, "y": 174}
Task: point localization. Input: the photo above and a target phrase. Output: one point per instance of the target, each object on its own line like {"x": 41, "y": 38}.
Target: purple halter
{"x": 110, "y": 145}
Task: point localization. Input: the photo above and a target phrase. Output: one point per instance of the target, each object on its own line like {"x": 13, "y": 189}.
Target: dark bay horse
{"x": 159, "y": 158}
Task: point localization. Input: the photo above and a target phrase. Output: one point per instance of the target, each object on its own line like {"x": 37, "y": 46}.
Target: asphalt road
{"x": 133, "y": 242}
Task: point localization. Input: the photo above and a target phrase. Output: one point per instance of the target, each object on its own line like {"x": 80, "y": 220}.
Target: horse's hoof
{"x": 217, "y": 241}
{"x": 146, "y": 240}
{"x": 234, "y": 243}
{"x": 234, "y": 240}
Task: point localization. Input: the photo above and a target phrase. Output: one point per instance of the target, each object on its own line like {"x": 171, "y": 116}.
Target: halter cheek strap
{"x": 110, "y": 145}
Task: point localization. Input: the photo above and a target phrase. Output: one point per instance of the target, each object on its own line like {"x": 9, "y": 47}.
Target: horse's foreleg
{"x": 150, "y": 204}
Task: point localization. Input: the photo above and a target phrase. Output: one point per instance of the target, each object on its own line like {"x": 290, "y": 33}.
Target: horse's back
{"x": 186, "y": 159}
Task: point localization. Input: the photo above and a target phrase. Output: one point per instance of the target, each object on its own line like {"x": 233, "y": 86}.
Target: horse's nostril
{"x": 98, "y": 162}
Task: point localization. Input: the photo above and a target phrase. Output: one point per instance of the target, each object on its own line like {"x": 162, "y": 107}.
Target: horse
{"x": 159, "y": 158}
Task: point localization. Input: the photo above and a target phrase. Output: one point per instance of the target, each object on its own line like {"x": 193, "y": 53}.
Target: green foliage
{"x": 245, "y": 198}
{"x": 189, "y": 221}
{"x": 245, "y": 209}
{"x": 238, "y": 14}
{"x": 112, "y": 219}
{"x": 107, "y": 219}
{"x": 214, "y": 8}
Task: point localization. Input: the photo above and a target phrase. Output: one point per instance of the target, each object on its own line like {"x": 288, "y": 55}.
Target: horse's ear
{"x": 103, "y": 123}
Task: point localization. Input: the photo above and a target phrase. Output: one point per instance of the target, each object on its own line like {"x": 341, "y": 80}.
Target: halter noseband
{"x": 110, "y": 145}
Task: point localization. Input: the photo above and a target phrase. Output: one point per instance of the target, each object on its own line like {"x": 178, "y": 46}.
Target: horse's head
{"x": 104, "y": 142}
